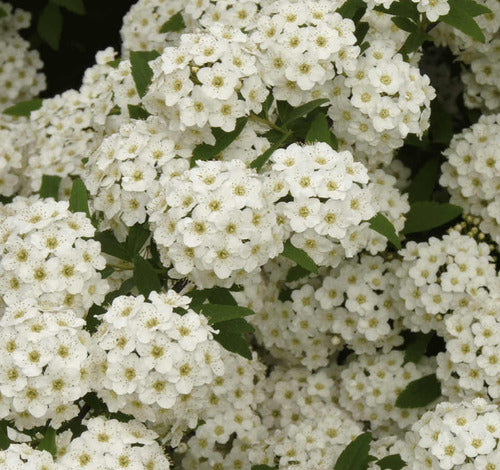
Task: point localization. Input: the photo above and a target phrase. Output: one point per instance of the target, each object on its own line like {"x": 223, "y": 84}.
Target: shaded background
{"x": 82, "y": 36}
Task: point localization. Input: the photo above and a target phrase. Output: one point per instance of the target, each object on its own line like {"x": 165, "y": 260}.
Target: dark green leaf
{"x": 413, "y": 42}
{"x": 125, "y": 289}
{"x": 319, "y": 131}
{"x": 75, "y": 6}
{"x": 145, "y": 277}
{"x": 3, "y": 13}
{"x": 174, "y": 23}
{"x": 50, "y": 186}
{"x": 261, "y": 160}
{"x": 441, "y": 129}
{"x": 48, "y": 442}
{"x": 461, "y": 16}
{"x": 422, "y": 185}
{"x": 114, "y": 63}
{"x": 300, "y": 257}
{"x": 111, "y": 246}
{"x": 230, "y": 336}
{"x": 219, "y": 313}
{"x": 4, "y": 438}
{"x": 404, "y": 8}
{"x": 78, "y": 201}
{"x": 350, "y": 7}
{"x": 420, "y": 392}
{"x": 296, "y": 272}
{"x": 361, "y": 29}
{"x": 391, "y": 462}
{"x": 405, "y": 24}
{"x": 382, "y": 225}
{"x": 222, "y": 141}
{"x": 49, "y": 25}
{"x": 136, "y": 238}
{"x": 141, "y": 71}
{"x": 417, "y": 347}
{"x": 426, "y": 215}
{"x": 300, "y": 111}
{"x": 137, "y": 112}
{"x": 356, "y": 455}
{"x": 263, "y": 467}
{"x": 24, "y": 108}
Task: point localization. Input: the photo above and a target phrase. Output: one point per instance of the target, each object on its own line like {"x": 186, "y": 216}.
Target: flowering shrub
{"x": 260, "y": 235}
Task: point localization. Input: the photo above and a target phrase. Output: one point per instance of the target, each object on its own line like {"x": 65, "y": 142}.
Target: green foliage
{"x": 137, "y": 237}
{"x": 350, "y": 8}
{"x": 391, "y": 462}
{"x": 263, "y": 467}
{"x": 75, "y": 6}
{"x": 111, "y": 246}
{"x": 461, "y": 16}
{"x": 422, "y": 185}
{"x": 220, "y": 313}
{"x": 49, "y": 26}
{"x": 319, "y": 131}
{"x": 288, "y": 114}
{"x": 261, "y": 160}
{"x": 48, "y": 442}
{"x": 300, "y": 257}
{"x": 145, "y": 276}
{"x": 230, "y": 336}
{"x": 417, "y": 347}
{"x": 3, "y": 13}
{"x": 24, "y": 108}
{"x": 356, "y": 455}
{"x": 420, "y": 392}
{"x": 222, "y": 141}
{"x": 295, "y": 273}
{"x": 403, "y": 8}
{"x": 137, "y": 112}
{"x": 382, "y": 225}
{"x": 426, "y": 215}
{"x": 441, "y": 125}
{"x": 50, "y": 186}
{"x": 141, "y": 71}
{"x": 4, "y": 438}
{"x": 174, "y": 24}
{"x": 78, "y": 201}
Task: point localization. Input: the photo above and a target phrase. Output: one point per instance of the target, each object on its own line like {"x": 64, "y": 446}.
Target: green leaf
{"x": 48, "y": 442}
{"x": 24, "y": 108}
{"x": 320, "y": 132}
{"x": 173, "y": 24}
{"x": 78, "y": 201}
{"x": 111, "y": 246}
{"x": 137, "y": 112}
{"x": 300, "y": 257}
{"x": 50, "y": 186}
{"x": 261, "y": 160}
{"x": 145, "y": 277}
{"x": 114, "y": 63}
{"x": 441, "y": 129}
{"x": 426, "y": 215}
{"x": 4, "y": 437}
{"x": 405, "y": 24}
{"x": 350, "y": 7}
{"x": 391, "y": 462}
{"x": 230, "y": 336}
{"x": 382, "y": 225}
{"x": 361, "y": 30}
{"x": 222, "y": 141}
{"x": 420, "y": 392}
{"x": 141, "y": 71}
{"x": 136, "y": 238}
{"x": 356, "y": 455}
{"x": 3, "y": 13}
{"x": 263, "y": 467}
{"x": 461, "y": 16}
{"x": 417, "y": 347}
{"x": 296, "y": 272}
{"x": 49, "y": 25}
{"x": 404, "y": 8}
{"x": 422, "y": 185}
{"x": 219, "y": 312}
{"x": 413, "y": 42}
{"x": 300, "y": 111}
{"x": 75, "y": 6}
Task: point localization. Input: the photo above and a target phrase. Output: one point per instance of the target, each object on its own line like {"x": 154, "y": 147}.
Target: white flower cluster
{"x": 216, "y": 217}
{"x": 154, "y": 363}
{"x": 470, "y": 367}
{"x": 370, "y": 385}
{"x": 45, "y": 365}
{"x": 20, "y": 78}
{"x": 458, "y": 436}
{"x": 472, "y": 172}
{"x": 441, "y": 275}
{"x": 48, "y": 256}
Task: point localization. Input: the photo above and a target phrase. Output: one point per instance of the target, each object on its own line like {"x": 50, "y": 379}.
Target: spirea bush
{"x": 261, "y": 235}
